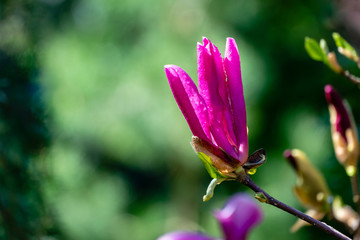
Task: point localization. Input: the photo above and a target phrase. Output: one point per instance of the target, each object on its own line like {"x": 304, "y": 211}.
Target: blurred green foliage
{"x": 93, "y": 145}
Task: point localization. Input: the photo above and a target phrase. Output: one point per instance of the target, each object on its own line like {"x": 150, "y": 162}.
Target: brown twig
{"x": 355, "y": 190}
{"x": 356, "y": 199}
{"x": 247, "y": 181}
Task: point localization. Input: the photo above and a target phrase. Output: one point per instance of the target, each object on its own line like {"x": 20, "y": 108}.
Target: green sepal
{"x": 255, "y": 160}
{"x": 314, "y": 50}
{"x": 213, "y": 172}
{"x": 341, "y": 42}
{"x": 261, "y": 197}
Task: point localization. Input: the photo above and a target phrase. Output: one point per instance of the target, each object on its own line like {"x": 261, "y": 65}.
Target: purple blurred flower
{"x": 239, "y": 215}
{"x": 216, "y": 112}
{"x": 185, "y": 236}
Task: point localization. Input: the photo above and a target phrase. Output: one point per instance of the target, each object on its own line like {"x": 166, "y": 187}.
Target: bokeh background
{"x": 92, "y": 143}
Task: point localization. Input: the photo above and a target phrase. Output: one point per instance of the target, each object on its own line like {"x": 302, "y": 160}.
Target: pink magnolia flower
{"x": 237, "y": 218}
{"x": 215, "y": 111}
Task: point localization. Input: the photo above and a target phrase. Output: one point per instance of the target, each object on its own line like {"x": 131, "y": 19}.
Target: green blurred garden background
{"x": 92, "y": 143}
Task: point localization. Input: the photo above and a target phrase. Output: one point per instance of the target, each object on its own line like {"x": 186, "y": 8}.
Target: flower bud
{"x": 311, "y": 188}
{"x": 343, "y": 131}
{"x": 345, "y": 214}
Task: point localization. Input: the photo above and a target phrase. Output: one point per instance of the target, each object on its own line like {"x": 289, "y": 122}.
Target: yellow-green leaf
{"x": 314, "y": 50}
{"x": 213, "y": 172}
{"x": 341, "y": 42}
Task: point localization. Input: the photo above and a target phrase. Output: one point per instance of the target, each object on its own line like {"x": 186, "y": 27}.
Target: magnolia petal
{"x": 210, "y": 83}
{"x": 236, "y": 95}
{"x": 220, "y": 73}
{"x": 189, "y": 100}
{"x": 229, "y": 127}
{"x": 353, "y": 146}
{"x": 340, "y": 146}
{"x": 223, "y": 92}
{"x": 239, "y": 215}
{"x": 185, "y": 236}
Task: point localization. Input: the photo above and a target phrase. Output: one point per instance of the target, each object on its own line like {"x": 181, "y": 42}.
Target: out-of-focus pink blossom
{"x": 240, "y": 214}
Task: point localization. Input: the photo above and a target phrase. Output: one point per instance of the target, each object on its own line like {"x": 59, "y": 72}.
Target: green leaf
{"x": 260, "y": 196}
{"x": 314, "y": 50}
{"x": 213, "y": 172}
{"x": 341, "y": 42}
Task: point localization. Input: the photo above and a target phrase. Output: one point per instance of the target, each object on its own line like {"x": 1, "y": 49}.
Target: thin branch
{"x": 356, "y": 199}
{"x": 351, "y": 77}
{"x": 247, "y": 181}
{"x": 355, "y": 190}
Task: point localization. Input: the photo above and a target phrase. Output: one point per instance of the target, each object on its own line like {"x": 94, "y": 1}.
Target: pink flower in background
{"x": 216, "y": 111}
{"x": 185, "y": 236}
{"x": 237, "y": 218}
